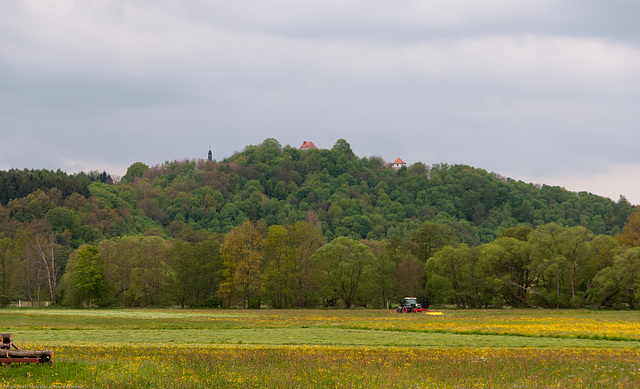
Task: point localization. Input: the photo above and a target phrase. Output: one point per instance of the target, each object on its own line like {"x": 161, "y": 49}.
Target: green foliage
{"x": 195, "y": 259}
{"x": 137, "y": 272}
{"x": 429, "y": 238}
{"x": 135, "y": 170}
{"x": 84, "y": 276}
{"x": 7, "y": 274}
{"x": 508, "y": 266}
{"x": 414, "y": 213}
{"x": 242, "y": 254}
{"x": 16, "y": 184}
{"x": 454, "y": 276}
{"x": 341, "y": 269}
{"x": 552, "y": 267}
{"x": 381, "y": 281}
{"x": 288, "y": 270}
{"x": 619, "y": 285}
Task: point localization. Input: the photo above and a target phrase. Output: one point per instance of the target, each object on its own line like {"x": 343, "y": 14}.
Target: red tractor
{"x": 410, "y": 304}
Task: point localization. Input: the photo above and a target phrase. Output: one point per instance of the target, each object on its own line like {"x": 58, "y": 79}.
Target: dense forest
{"x": 280, "y": 227}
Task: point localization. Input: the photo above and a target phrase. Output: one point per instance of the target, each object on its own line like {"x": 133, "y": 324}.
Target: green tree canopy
{"x": 242, "y": 254}
{"x": 137, "y": 169}
{"x": 341, "y": 268}
{"x": 85, "y": 275}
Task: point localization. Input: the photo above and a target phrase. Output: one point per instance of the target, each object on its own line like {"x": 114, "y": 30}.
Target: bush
{"x": 4, "y": 300}
{"x": 213, "y": 302}
{"x": 254, "y": 303}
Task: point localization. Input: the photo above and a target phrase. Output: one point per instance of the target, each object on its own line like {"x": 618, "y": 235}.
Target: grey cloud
{"x": 532, "y": 89}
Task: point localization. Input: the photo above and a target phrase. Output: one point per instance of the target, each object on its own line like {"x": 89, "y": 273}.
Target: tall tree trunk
{"x": 557, "y": 289}
{"x": 124, "y": 286}
{"x": 45, "y": 251}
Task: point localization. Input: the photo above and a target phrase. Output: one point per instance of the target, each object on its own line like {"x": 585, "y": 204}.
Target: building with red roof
{"x": 306, "y": 145}
{"x": 397, "y": 164}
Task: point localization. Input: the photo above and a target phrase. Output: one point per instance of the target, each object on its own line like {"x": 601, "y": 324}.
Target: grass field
{"x": 326, "y": 348}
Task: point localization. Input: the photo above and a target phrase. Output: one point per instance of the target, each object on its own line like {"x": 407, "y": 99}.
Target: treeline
{"x": 292, "y": 266}
{"x": 15, "y": 184}
{"x": 549, "y": 267}
{"x": 159, "y": 237}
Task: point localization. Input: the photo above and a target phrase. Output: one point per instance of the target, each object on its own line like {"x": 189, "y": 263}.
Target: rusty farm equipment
{"x": 10, "y": 353}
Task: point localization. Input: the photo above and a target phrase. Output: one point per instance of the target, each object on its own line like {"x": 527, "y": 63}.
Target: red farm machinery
{"x": 409, "y": 305}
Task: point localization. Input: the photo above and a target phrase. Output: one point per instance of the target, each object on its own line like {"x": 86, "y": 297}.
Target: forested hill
{"x": 333, "y": 189}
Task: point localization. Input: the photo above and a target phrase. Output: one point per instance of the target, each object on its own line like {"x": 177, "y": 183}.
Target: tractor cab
{"x": 410, "y": 302}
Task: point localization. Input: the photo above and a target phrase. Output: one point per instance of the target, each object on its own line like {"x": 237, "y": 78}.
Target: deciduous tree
{"x": 341, "y": 267}
{"x": 630, "y": 236}
{"x": 43, "y": 244}
{"x": 429, "y": 238}
{"x": 85, "y": 274}
{"x": 242, "y": 254}
{"x": 456, "y": 270}
{"x": 507, "y": 261}
{"x": 619, "y": 285}
{"x": 7, "y": 269}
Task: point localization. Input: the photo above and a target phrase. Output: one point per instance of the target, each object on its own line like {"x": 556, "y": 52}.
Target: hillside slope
{"x": 332, "y": 189}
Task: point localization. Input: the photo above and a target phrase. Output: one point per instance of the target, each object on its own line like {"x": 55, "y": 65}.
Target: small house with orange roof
{"x": 306, "y": 145}
{"x": 397, "y": 164}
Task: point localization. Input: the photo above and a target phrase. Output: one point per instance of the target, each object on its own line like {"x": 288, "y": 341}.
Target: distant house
{"x": 306, "y": 145}
{"x": 397, "y": 164}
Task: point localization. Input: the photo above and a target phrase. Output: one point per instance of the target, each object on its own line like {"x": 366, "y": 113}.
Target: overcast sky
{"x": 544, "y": 91}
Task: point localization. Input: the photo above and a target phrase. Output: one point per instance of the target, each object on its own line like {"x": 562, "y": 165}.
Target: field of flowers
{"x": 332, "y": 348}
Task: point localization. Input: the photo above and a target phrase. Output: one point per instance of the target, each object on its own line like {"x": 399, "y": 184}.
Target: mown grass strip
{"x": 351, "y": 337}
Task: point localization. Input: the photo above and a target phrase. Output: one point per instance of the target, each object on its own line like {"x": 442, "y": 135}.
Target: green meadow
{"x": 326, "y": 348}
